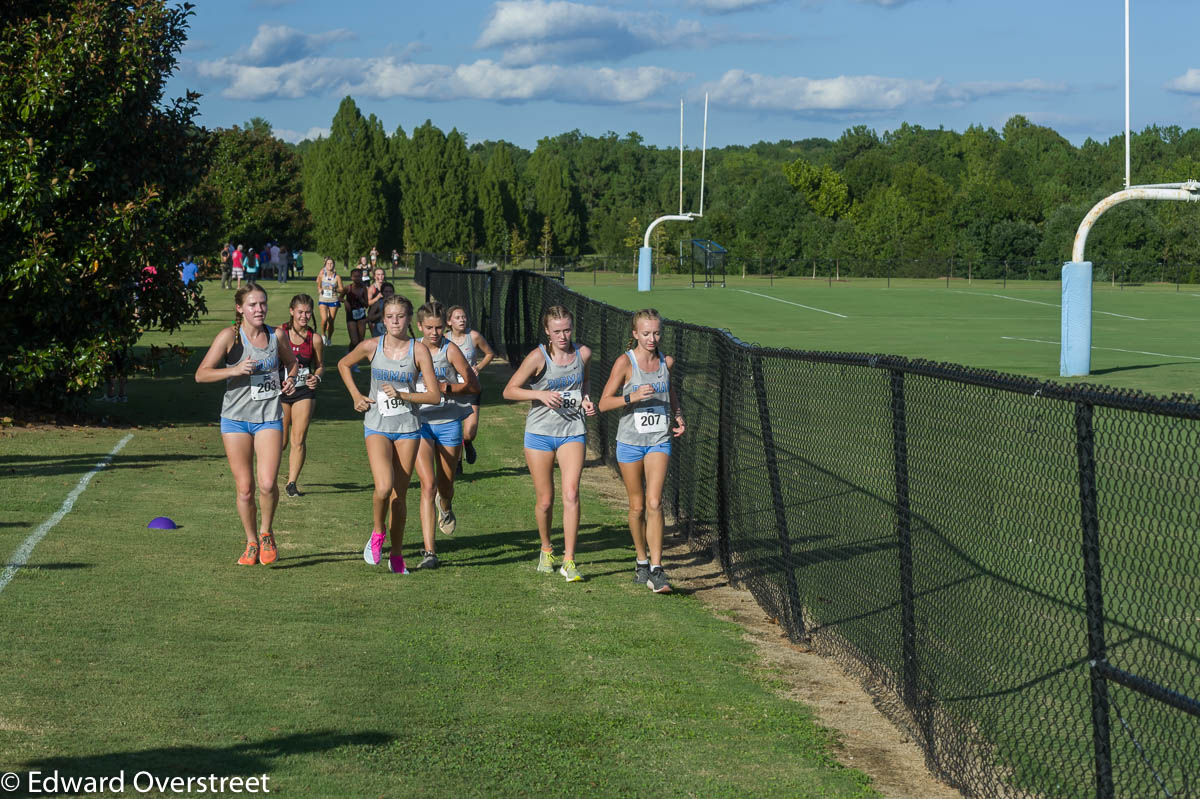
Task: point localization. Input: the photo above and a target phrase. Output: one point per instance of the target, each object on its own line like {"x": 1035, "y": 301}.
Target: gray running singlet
{"x": 647, "y": 422}
{"x": 473, "y": 355}
{"x": 449, "y": 410}
{"x": 255, "y": 397}
{"x": 392, "y": 415}
{"x": 567, "y": 381}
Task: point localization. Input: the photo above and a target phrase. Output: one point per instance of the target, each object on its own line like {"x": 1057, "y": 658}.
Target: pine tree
{"x": 498, "y": 199}
{"x": 343, "y": 187}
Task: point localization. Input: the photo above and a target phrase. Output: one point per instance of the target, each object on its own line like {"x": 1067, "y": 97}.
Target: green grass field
{"x": 131, "y": 649}
{"x": 1144, "y": 337}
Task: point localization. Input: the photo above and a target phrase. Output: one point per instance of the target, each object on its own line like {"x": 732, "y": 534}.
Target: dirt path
{"x": 870, "y": 742}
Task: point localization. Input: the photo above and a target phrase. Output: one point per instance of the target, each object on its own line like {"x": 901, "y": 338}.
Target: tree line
{"x": 912, "y": 194}
{"x": 106, "y": 186}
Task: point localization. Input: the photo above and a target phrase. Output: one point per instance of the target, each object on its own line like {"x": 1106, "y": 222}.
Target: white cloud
{"x": 295, "y": 136}
{"x": 534, "y": 31}
{"x": 855, "y": 94}
{"x": 729, "y": 6}
{"x": 279, "y": 44}
{"x": 1187, "y": 83}
{"x": 483, "y": 80}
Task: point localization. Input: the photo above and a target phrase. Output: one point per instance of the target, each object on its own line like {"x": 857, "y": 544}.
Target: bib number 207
{"x": 646, "y": 422}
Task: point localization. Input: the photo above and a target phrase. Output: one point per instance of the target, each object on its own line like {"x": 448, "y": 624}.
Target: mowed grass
{"x": 132, "y": 649}
{"x": 1012, "y": 328}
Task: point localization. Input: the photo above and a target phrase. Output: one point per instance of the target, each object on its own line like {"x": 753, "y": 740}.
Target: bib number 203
{"x": 264, "y": 386}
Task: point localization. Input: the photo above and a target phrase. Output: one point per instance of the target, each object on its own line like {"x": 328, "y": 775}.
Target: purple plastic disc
{"x": 162, "y": 523}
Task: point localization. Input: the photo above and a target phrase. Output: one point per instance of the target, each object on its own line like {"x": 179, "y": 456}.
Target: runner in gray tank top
{"x": 640, "y": 387}
{"x": 479, "y": 354}
{"x": 391, "y": 429}
{"x": 554, "y": 380}
{"x": 441, "y": 428}
{"x": 247, "y": 357}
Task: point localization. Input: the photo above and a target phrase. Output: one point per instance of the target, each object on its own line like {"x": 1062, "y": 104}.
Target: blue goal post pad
{"x": 1075, "y": 356}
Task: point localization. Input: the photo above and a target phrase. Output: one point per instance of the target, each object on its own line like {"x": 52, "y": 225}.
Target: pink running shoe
{"x": 396, "y": 564}
{"x": 373, "y": 551}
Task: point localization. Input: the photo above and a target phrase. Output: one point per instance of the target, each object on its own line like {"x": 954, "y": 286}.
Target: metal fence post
{"x": 724, "y": 473}
{"x": 908, "y": 618}
{"x": 793, "y": 613}
{"x": 1097, "y": 649}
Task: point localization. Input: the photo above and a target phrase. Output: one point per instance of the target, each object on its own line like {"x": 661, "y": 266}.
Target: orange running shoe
{"x": 250, "y": 556}
{"x": 269, "y": 553}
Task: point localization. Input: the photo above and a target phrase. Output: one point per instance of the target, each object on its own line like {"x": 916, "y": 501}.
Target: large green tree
{"x": 98, "y": 178}
{"x": 256, "y": 180}
{"x": 344, "y": 188}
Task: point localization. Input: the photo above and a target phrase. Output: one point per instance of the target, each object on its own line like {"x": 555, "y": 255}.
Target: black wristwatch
{"x": 627, "y": 399}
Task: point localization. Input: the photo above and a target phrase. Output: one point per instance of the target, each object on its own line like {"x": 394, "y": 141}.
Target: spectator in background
{"x": 298, "y": 258}
{"x": 239, "y": 264}
{"x": 277, "y": 263}
{"x": 395, "y": 260}
{"x": 227, "y": 266}
{"x": 251, "y": 262}
{"x": 188, "y": 270}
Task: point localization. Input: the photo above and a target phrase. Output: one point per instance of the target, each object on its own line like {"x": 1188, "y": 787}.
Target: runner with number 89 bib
{"x": 640, "y": 386}
{"x": 554, "y": 380}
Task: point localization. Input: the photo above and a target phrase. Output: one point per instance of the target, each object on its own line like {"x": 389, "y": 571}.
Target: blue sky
{"x": 523, "y": 69}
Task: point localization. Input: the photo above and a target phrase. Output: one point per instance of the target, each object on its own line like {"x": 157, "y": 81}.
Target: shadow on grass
{"x": 18, "y": 466}
{"x": 315, "y": 559}
{"x": 250, "y": 758}
{"x": 519, "y": 546}
{"x": 50, "y": 567}
{"x": 14, "y": 524}
{"x": 1140, "y": 366}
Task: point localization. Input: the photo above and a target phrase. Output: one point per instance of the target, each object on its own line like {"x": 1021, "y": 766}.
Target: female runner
{"x": 356, "y": 308}
{"x": 478, "y": 354}
{"x": 329, "y": 297}
{"x": 247, "y": 357}
{"x": 401, "y": 375}
{"x": 554, "y": 379}
{"x": 640, "y": 386}
{"x": 299, "y": 405}
{"x": 441, "y": 428}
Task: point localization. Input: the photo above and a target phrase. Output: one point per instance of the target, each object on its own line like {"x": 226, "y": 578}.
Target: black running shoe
{"x": 292, "y": 491}
{"x": 428, "y": 560}
{"x": 469, "y": 449}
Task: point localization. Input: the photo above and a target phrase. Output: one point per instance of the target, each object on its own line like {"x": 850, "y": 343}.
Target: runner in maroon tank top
{"x": 299, "y": 406}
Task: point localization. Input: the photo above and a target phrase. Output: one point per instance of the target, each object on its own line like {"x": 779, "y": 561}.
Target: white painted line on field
{"x": 789, "y": 302}
{"x": 1109, "y": 349}
{"x": 1051, "y": 304}
{"x": 21, "y": 556}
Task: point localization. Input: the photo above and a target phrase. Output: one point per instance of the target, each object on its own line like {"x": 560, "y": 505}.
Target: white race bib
{"x": 572, "y": 400}
{"x": 264, "y": 386}
{"x": 391, "y": 407}
{"x": 653, "y": 420}
{"x": 358, "y": 313}
{"x": 301, "y": 374}
{"x": 419, "y": 388}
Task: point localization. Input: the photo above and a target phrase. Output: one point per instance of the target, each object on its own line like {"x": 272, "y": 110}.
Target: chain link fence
{"x": 1010, "y": 567}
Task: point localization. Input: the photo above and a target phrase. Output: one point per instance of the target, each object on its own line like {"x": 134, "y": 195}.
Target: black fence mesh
{"x": 1010, "y": 566}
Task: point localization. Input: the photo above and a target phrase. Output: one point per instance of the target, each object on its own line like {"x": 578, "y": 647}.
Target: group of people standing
{"x": 421, "y": 413}
{"x": 241, "y": 262}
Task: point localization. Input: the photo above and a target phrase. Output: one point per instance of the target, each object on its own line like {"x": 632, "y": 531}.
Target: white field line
{"x": 1109, "y": 349}
{"x": 21, "y": 556}
{"x": 1051, "y": 304}
{"x": 789, "y": 302}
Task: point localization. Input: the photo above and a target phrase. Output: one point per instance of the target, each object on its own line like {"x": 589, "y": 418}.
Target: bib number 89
{"x": 571, "y": 400}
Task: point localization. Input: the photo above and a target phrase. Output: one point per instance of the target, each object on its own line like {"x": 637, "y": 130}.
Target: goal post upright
{"x": 1075, "y": 354}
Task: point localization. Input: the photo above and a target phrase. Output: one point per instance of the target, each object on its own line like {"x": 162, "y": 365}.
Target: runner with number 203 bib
{"x": 639, "y": 385}
{"x": 247, "y": 357}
